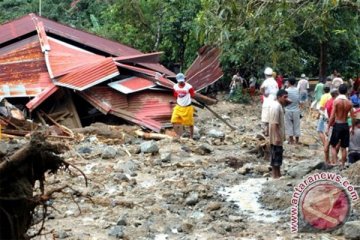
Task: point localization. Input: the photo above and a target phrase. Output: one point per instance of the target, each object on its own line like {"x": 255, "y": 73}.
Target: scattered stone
{"x": 62, "y": 235}
{"x": 149, "y": 147}
{"x": 120, "y": 177}
{"x": 116, "y": 231}
{"x": 108, "y": 153}
{"x": 192, "y": 199}
{"x": 204, "y": 149}
{"x": 212, "y": 206}
{"x": 3, "y": 148}
{"x": 216, "y": 133}
{"x": 186, "y": 227}
{"x": 121, "y": 221}
{"x": 84, "y": 150}
{"x": 304, "y": 167}
{"x": 352, "y": 230}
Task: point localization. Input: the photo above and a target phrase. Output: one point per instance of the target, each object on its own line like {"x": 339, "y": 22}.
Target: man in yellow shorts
{"x": 183, "y": 112}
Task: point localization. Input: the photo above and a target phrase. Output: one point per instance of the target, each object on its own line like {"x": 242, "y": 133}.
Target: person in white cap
{"x": 183, "y": 112}
{"x": 303, "y": 86}
{"x": 268, "y": 88}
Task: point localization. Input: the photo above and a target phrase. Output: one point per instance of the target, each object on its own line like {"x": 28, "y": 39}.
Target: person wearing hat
{"x": 269, "y": 89}
{"x": 183, "y": 112}
{"x": 277, "y": 131}
{"x": 303, "y": 86}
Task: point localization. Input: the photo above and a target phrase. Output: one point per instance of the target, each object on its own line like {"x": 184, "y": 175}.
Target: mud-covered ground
{"x": 215, "y": 187}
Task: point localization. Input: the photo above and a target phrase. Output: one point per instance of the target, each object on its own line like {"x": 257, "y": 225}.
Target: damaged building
{"x": 56, "y": 74}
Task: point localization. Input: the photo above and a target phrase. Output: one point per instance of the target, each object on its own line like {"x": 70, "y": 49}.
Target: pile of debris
{"x": 74, "y": 78}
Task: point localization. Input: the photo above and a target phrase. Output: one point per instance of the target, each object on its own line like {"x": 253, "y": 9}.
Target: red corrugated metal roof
{"x": 140, "y": 58}
{"x": 206, "y": 69}
{"x": 89, "y": 75}
{"x": 147, "y": 108}
{"x": 132, "y": 84}
{"x": 160, "y": 81}
{"x": 40, "y": 98}
{"x": 27, "y": 24}
{"x": 64, "y": 58}
{"x": 23, "y": 70}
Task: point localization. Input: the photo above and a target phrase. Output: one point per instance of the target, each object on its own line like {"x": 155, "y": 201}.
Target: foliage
{"x": 314, "y": 37}
{"x": 155, "y": 26}
{"x": 286, "y": 35}
{"x": 240, "y": 96}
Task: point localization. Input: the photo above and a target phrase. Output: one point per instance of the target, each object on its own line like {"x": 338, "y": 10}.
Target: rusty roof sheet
{"x": 23, "y": 70}
{"x": 89, "y": 75}
{"x": 131, "y": 85}
{"x": 40, "y": 98}
{"x": 146, "y": 108}
{"x": 206, "y": 69}
{"x": 65, "y": 58}
{"x": 140, "y": 58}
{"x": 28, "y": 23}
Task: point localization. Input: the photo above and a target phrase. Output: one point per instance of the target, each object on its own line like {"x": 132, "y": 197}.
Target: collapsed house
{"x": 73, "y": 77}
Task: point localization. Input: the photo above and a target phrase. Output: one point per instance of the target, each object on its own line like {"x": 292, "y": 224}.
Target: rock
{"x": 116, "y": 231}
{"x": 108, "y": 153}
{"x": 212, "y": 206}
{"x": 261, "y": 169}
{"x": 304, "y": 167}
{"x": 260, "y": 137}
{"x": 186, "y": 227}
{"x": 84, "y": 150}
{"x": 128, "y": 167}
{"x": 192, "y": 199}
{"x": 121, "y": 221}
{"x": 216, "y": 133}
{"x": 204, "y": 149}
{"x": 120, "y": 177}
{"x": 149, "y": 147}
{"x": 3, "y": 148}
{"x": 62, "y": 235}
{"x": 165, "y": 157}
{"x": 352, "y": 230}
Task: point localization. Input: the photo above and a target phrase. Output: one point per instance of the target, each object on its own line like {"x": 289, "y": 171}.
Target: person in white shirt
{"x": 269, "y": 89}
{"x": 303, "y": 86}
{"x": 183, "y": 112}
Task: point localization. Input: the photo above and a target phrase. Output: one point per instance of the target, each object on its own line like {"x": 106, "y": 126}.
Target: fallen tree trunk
{"x": 18, "y": 174}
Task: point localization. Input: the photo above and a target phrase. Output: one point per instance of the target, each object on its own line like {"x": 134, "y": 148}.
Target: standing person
{"x": 269, "y": 89}
{"x": 280, "y": 81}
{"x": 318, "y": 92}
{"x": 252, "y": 86}
{"x": 338, "y": 120}
{"x": 321, "y": 126}
{"x": 235, "y": 83}
{"x": 354, "y": 145}
{"x": 292, "y": 113}
{"x": 303, "y": 86}
{"x": 277, "y": 131}
{"x": 328, "y": 108}
{"x": 336, "y": 82}
{"x": 183, "y": 112}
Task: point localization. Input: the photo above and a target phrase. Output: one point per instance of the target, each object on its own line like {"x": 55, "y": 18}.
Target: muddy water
{"x": 246, "y": 197}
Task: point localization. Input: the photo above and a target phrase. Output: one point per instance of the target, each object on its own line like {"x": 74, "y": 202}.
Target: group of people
{"x": 338, "y": 121}
{"x": 338, "y": 124}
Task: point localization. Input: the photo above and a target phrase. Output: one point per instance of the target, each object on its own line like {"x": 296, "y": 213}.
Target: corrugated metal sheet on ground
{"x": 206, "y": 69}
{"x": 89, "y": 75}
{"x": 132, "y": 84}
{"x": 151, "y": 104}
{"x": 104, "y": 98}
